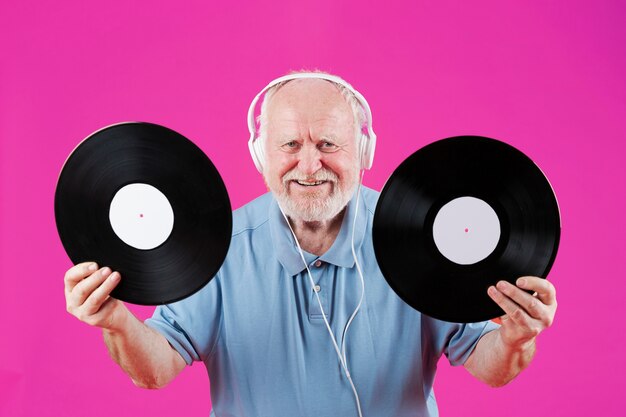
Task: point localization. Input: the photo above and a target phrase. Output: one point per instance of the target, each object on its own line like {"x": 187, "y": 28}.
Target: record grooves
{"x": 458, "y": 216}
{"x": 145, "y": 201}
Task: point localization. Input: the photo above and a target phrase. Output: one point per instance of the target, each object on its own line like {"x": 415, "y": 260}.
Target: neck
{"x": 317, "y": 237}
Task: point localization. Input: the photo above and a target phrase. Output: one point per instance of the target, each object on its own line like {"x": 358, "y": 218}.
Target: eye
{"x": 290, "y": 146}
{"x": 327, "y": 146}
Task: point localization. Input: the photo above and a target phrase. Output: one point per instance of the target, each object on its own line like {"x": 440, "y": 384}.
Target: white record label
{"x": 466, "y": 230}
{"x": 141, "y": 216}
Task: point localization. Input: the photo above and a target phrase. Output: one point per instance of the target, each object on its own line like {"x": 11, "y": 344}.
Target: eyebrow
{"x": 331, "y": 137}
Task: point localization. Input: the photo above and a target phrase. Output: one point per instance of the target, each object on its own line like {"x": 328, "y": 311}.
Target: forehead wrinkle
{"x": 331, "y": 116}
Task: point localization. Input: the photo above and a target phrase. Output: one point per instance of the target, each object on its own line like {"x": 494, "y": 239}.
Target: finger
{"x": 101, "y": 294}
{"x": 544, "y": 288}
{"x": 84, "y": 288}
{"x": 77, "y": 273}
{"x": 104, "y": 316}
{"x": 512, "y": 310}
{"x": 531, "y": 305}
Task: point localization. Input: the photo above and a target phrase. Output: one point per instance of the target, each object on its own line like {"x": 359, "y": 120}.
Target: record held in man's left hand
{"x": 458, "y": 216}
{"x": 147, "y": 202}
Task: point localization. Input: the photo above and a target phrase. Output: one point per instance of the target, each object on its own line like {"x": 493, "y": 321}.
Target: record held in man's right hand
{"x": 145, "y": 201}
{"x": 458, "y": 216}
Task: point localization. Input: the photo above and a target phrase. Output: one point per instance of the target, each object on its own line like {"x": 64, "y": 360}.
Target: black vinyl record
{"x": 458, "y": 216}
{"x": 147, "y": 202}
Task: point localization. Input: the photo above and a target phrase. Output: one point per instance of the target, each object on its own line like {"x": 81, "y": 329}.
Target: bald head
{"x": 315, "y": 93}
{"x": 311, "y": 104}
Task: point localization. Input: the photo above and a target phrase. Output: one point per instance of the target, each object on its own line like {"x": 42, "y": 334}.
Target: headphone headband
{"x": 367, "y": 153}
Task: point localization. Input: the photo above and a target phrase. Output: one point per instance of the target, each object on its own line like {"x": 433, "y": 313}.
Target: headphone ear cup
{"x": 259, "y": 154}
{"x": 363, "y": 151}
{"x": 256, "y": 152}
{"x": 367, "y": 151}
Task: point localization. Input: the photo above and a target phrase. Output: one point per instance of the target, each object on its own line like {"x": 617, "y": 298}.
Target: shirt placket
{"x": 318, "y": 272}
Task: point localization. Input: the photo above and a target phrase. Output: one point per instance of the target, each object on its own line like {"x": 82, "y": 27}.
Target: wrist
{"x": 517, "y": 345}
{"x": 119, "y": 322}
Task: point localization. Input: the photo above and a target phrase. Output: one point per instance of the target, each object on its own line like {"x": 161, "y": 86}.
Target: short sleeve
{"x": 192, "y": 325}
{"x": 456, "y": 340}
{"x": 465, "y": 339}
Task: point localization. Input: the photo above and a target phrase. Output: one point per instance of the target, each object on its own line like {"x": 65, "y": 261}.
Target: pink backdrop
{"x": 547, "y": 78}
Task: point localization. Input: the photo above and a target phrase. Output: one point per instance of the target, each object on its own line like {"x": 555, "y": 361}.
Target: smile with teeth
{"x": 309, "y": 183}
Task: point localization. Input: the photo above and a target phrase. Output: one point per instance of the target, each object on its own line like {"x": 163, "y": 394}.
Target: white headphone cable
{"x": 358, "y": 268}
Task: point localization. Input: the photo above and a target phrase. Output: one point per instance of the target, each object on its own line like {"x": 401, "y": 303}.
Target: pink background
{"x": 546, "y": 77}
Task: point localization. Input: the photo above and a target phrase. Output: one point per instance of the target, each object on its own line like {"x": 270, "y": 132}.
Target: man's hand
{"x": 526, "y": 315}
{"x": 502, "y": 354}
{"x": 87, "y": 290}
{"x": 144, "y": 354}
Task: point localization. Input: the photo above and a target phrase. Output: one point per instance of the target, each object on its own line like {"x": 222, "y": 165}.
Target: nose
{"x": 309, "y": 160}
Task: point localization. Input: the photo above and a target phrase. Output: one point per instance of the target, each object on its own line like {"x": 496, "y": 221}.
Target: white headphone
{"x": 368, "y": 139}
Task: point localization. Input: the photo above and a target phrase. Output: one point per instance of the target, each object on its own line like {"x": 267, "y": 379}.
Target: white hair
{"x": 357, "y": 109}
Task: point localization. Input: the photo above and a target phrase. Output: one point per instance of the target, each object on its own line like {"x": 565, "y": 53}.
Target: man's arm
{"x": 502, "y": 354}
{"x": 144, "y": 354}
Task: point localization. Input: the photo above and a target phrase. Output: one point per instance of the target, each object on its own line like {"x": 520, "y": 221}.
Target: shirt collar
{"x": 340, "y": 253}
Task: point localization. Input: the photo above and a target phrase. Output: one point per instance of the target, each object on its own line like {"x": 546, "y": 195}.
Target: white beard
{"x": 315, "y": 208}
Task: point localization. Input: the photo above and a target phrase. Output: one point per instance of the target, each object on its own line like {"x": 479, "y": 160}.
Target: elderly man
{"x": 258, "y": 326}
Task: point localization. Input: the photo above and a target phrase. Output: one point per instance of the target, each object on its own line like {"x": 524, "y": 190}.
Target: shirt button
{"x": 318, "y": 263}
{"x": 318, "y": 288}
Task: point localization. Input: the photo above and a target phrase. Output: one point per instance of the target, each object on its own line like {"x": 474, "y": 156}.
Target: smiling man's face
{"x": 312, "y": 164}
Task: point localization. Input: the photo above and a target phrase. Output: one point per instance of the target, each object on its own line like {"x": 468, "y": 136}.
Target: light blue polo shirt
{"x": 258, "y": 328}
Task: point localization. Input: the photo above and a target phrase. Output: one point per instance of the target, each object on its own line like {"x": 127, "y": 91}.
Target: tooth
{"x": 309, "y": 183}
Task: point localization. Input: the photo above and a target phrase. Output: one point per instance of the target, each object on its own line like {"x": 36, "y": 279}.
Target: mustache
{"x": 321, "y": 175}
